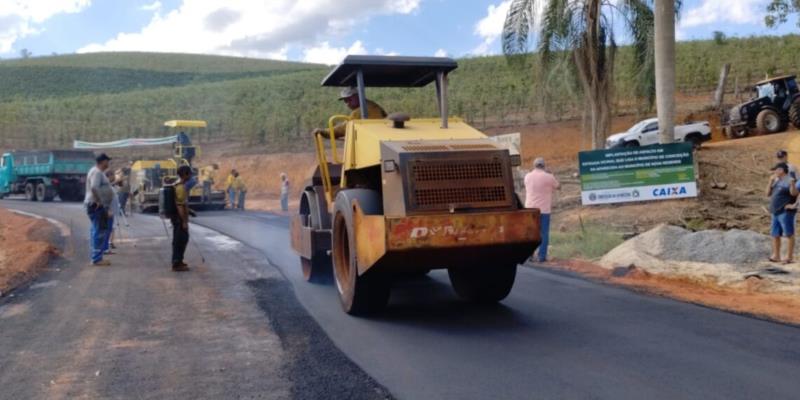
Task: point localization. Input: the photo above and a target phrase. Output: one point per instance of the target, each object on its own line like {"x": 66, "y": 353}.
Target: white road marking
{"x": 63, "y": 228}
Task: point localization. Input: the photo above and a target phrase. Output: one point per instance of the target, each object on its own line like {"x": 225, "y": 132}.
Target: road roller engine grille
{"x": 450, "y": 184}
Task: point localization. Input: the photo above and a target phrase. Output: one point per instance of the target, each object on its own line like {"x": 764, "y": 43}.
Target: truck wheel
{"x": 30, "y": 192}
{"x": 359, "y": 294}
{"x": 768, "y": 121}
{"x": 488, "y": 284}
{"x": 318, "y": 268}
{"x": 695, "y": 140}
{"x": 632, "y": 143}
{"x": 42, "y": 194}
{"x": 794, "y": 114}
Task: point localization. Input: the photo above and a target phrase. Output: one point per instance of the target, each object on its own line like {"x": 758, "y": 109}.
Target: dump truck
{"x": 41, "y": 175}
{"x": 406, "y": 195}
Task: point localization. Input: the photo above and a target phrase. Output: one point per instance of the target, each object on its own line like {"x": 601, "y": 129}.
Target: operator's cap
{"x": 102, "y": 157}
{"x": 781, "y": 154}
{"x": 781, "y": 165}
{"x": 538, "y": 162}
{"x": 347, "y": 92}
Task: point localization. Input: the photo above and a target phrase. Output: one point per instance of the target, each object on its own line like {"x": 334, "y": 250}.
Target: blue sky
{"x": 305, "y": 30}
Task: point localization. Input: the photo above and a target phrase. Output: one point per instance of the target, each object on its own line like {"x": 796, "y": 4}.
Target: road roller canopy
{"x": 389, "y": 71}
{"x": 393, "y": 71}
{"x": 176, "y": 123}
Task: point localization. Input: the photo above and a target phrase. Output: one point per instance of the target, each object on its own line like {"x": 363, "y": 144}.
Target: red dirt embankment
{"x": 23, "y": 248}
{"x": 746, "y": 298}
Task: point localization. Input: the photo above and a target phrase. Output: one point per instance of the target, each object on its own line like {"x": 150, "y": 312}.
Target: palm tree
{"x": 578, "y": 35}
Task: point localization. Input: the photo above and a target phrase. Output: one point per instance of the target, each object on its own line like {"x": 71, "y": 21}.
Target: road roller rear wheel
{"x": 488, "y": 284}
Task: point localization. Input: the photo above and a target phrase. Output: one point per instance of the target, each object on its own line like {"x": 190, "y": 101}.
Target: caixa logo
{"x": 669, "y": 191}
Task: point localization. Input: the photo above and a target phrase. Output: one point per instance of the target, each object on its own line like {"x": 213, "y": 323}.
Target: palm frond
{"x": 517, "y": 27}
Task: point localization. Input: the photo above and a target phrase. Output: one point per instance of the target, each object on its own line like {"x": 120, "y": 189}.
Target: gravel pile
{"x": 727, "y": 257}
{"x": 667, "y": 242}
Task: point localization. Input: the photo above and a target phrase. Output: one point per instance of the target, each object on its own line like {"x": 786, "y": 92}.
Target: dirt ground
{"x": 24, "y": 248}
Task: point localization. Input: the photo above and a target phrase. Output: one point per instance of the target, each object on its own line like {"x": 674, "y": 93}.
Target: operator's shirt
{"x": 539, "y": 188}
{"x": 229, "y": 181}
{"x": 374, "y": 111}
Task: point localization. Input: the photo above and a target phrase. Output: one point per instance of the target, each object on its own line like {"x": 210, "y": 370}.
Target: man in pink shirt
{"x": 539, "y": 188}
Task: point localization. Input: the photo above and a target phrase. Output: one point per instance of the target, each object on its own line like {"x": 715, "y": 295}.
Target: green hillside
{"x": 165, "y": 62}
{"x": 50, "y": 101}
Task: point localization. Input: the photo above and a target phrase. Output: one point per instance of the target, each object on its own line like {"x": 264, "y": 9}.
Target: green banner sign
{"x": 657, "y": 172}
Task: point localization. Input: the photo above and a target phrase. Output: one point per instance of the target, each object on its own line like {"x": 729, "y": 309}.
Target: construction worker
{"x": 229, "y": 188}
{"x": 284, "y": 192}
{"x": 240, "y": 188}
{"x": 180, "y": 221}
{"x": 207, "y": 175}
{"x": 350, "y": 97}
{"x": 123, "y": 181}
{"x": 98, "y": 207}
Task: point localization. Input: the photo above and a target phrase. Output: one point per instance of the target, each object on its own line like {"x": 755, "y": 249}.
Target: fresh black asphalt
{"x": 556, "y": 336}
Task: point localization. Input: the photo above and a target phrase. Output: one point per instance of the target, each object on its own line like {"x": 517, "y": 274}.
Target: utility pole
{"x": 665, "y": 68}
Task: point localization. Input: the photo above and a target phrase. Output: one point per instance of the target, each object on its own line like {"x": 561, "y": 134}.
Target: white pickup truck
{"x": 645, "y": 133}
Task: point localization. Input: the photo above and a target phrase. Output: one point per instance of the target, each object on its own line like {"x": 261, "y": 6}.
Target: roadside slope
{"x": 25, "y": 249}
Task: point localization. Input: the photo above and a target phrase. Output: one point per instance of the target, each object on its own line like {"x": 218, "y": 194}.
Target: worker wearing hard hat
{"x": 350, "y": 97}
{"x": 207, "y": 176}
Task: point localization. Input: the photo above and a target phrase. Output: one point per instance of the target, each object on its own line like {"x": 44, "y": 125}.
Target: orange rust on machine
{"x": 460, "y": 230}
{"x": 377, "y": 235}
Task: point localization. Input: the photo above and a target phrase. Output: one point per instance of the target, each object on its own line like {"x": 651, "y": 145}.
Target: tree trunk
{"x": 596, "y": 69}
{"x": 665, "y": 68}
{"x": 720, "y": 93}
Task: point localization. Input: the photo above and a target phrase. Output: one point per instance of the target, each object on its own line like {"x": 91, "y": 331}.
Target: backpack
{"x": 166, "y": 202}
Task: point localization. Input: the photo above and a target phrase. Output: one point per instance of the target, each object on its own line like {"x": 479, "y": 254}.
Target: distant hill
{"x": 49, "y": 101}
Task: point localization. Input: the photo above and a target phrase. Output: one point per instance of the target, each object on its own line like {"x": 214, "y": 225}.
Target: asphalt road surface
{"x": 229, "y": 329}
{"x": 556, "y": 336}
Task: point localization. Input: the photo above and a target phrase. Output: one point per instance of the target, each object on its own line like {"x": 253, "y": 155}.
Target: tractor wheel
{"x": 318, "y": 268}
{"x": 695, "y": 140}
{"x": 794, "y": 114}
{"x": 768, "y": 121}
{"x": 359, "y": 294}
{"x": 483, "y": 284}
{"x": 30, "y": 192}
{"x": 42, "y": 194}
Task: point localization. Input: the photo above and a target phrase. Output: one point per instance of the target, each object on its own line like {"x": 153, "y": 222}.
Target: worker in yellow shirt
{"x": 180, "y": 221}
{"x": 207, "y": 176}
{"x": 229, "y": 188}
{"x": 241, "y": 190}
{"x": 350, "y": 97}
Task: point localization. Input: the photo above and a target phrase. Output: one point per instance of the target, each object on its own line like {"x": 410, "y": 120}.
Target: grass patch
{"x": 588, "y": 241}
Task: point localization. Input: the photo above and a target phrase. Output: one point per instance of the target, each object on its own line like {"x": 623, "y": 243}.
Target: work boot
{"x": 102, "y": 263}
{"x": 180, "y": 267}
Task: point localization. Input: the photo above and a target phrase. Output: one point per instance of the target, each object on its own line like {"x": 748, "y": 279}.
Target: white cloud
{"x": 721, "y": 12}
{"x": 440, "y": 53}
{"x": 21, "y": 18}
{"x": 490, "y": 27}
{"x": 266, "y": 28}
{"x": 154, "y": 6}
{"x": 325, "y": 54}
